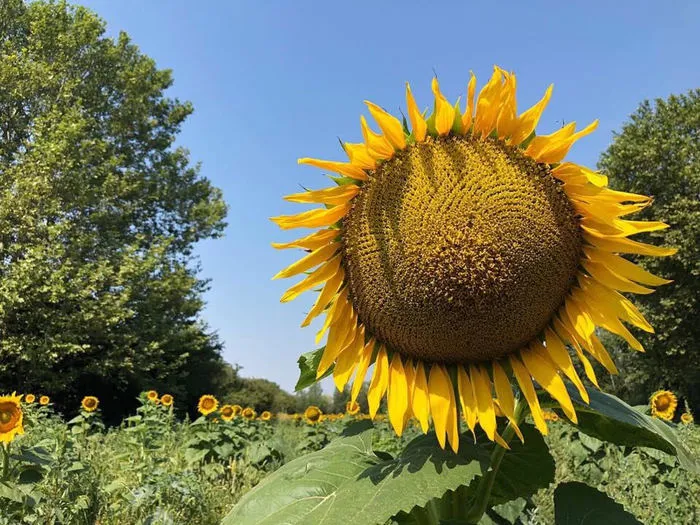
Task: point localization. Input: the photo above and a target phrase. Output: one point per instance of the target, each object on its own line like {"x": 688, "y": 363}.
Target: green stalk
{"x": 5, "y": 461}
{"x": 483, "y": 490}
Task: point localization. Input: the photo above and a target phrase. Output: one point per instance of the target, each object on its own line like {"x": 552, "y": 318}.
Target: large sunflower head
{"x": 166, "y": 400}
{"x": 11, "y": 417}
{"x": 29, "y": 398}
{"x": 663, "y": 404}
{"x": 44, "y": 400}
{"x": 312, "y": 414}
{"x": 466, "y": 253}
{"x": 207, "y": 404}
{"x": 226, "y": 412}
{"x": 152, "y": 395}
{"x": 266, "y": 415}
{"x": 90, "y": 403}
{"x": 352, "y": 408}
{"x": 248, "y": 413}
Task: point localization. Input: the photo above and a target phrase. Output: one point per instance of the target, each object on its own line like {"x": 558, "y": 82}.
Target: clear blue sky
{"x": 272, "y": 81}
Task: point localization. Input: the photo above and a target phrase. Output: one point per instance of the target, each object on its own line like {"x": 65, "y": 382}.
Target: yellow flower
{"x": 11, "y": 417}
{"x": 29, "y": 398}
{"x": 467, "y": 248}
{"x": 352, "y": 408}
{"x": 237, "y": 409}
{"x": 89, "y": 403}
{"x": 226, "y": 412}
{"x": 152, "y": 395}
{"x": 550, "y": 415}
{"x": 248, "y": 413}
{"x": 312, "y": 414}
{"x": 166, "y": 400}
{"x": 207, "y": 404}
{"x": 663, "y": 404}
{"x": 687, "y": 418}
{"x": 266, "y": 416}
{"x": 44, "y": 400}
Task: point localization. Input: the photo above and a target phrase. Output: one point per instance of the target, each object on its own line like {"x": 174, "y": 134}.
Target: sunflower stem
{"x": 483, "y": 490}
{"x": 5, "y": 460}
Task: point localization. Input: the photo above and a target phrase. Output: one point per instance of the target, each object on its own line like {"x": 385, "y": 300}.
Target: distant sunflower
{"x": 237, "y": 409}
{"x": 463, "y": 253}
{"x": 550, "y": 415}
{"x": 663, "y": 404}
{"x": 266, "y": 416}
{"x": 207, "y": 404}
{"x": 11, "y": 417}
{"x": 44, "y": 400}
{"x": 90, "y": 403}
{"x": 166, "y": 400}
{"x": 29, "y": 398}
{"x": 312, "y": 414}
{"x": 152, "y": 395}
{"x": 352, "y": 408}
{"x": 687, "y": 418}
{"x": 248, "y": 413}
{"x": 226, "y": 412}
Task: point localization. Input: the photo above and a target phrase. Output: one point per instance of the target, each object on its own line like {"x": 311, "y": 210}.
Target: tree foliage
{"x": 658, "y": 153}
{"x": 99, "y": 213}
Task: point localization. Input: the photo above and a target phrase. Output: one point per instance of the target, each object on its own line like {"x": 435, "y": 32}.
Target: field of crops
{"x": 157, "y": 469}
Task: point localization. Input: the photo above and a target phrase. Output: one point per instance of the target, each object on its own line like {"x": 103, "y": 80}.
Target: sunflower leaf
{"x": 576, "y": 503}
{"x": 346, "y": 482}
{"x": 610, "y": 419}
{"x": 308, "y": 365}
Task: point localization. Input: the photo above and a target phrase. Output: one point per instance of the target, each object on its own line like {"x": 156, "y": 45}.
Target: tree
{"x": 260, "y": 394}
{"x": 99, "y": 214}
{"x": 658, "y": 153}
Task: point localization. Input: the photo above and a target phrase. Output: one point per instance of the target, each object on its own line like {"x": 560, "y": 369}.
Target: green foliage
{"x": 576, "y": 503}
{"x": 260, "y": 394}
{"x": 658, "y": 153}
{"x": 98, "y": 217}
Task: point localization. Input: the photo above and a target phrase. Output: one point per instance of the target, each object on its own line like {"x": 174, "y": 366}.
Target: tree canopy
{"x": 99, "y": 213}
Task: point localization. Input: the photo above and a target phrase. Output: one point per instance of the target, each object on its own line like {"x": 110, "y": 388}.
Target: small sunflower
{"x": 44, "y": 400}
{"x": 29, "y": 398}
{"x": 11, "y": 417}
{"x": 152, "y": 395}
{"x": 90, "y": 403}
{"x": 237, "y": 409}
{"x": 465, "y": 254}
{"x": 313, "y": 414}
{"x": 248, "y": 413}
{"x": 352, "y": 408}
{"x": 663, "y": 404}
{"x": 687, "y": 418}
{"x": 226, "y": 412}
{"x": 207, "y": 404}
{"x": 266, "y": 416}
{"x": 550, "y": 415}
{"x": 166, "y": 400}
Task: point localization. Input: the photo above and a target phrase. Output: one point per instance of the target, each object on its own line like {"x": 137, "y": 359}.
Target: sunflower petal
{"x": 321, "y": 274}
{"x": 565, "y": 335}
{"x": 313, "y": 259}
{"x": 444, "y": 112}
{"x": 362, "y": 367}
{"x": 310, "y": 242}
{"x": 527, "y": 121}
{"x": 379, "y": 383}
{"x": 506, "y": 123}
{"x": 606, "y": 276}
{"x": 312, "y": 218}
{"x": 623, "y": 267}
{"x": 481, "y": 386}
{"x": 421, "y": 398}
{"x": 442, "y": 405}
{"x": 397, "y": 395}
{"x": 335, "y": 312}
{"x": 324, "y": 298}
{"x": 561, "y": 358}
{"x": 418, "y": 123}
{"x": 466, "y": 398}
{"x": 623, "y": 245}
{"x": 359, "y": 155}
{"x": 468, "y": 117}
{"x": 528, "y": 390}
{"x": 571, "y": 173}
{"x": 553, "y": 148}
{"x": 377, "y": 144}
{"x": 347, "y": 359}
{"x": 342, "y": 168}
{"x": 488, "y": 104}
{"x": 336, "y": 195}
{"x": 546, "y": 375}
{"x": 389, "y": 124}
{"x": 504, "y": 393}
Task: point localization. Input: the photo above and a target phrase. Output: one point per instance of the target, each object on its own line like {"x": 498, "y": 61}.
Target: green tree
{"x": 260, "y": 394}
{"x": 658, "y": 153}
{"x": 313, "y": 395}
{"x": 99, "y": 213}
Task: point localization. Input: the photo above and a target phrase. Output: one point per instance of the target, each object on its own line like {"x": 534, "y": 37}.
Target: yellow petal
{"x": 606, "y": 276}
{"x": 444, "y": 112}
{"x": 322, "y": 274}
{"x": 442, "y": 405}
{"x": 466, "y": 398}
{"x": 312, "y": 218}
{"x": 338, "y": 336}
{"x": 527, "y": 121}
{"x": 335, "y": 195}
{"x": 620, "y": 305}
{"x": 421, "y": 399}
{"x": 623, "y": 267}
{"x": 571, "y": 173}
{"x": 418, "y": 123}
{"x": 506, "y": 123}
{"x": 379, "y": 383}
{"x": 468, "y": 116}
{"x": 397, "y": 395}
{"x": 558, "y": 354}
{"x": 410, "y": 372}
{"x": 582, "y": 328}
{"x": 504, "y": 393}
{"x": 377, "y": 144}
{"x": 548, "y": 378}
{"x": 359, "y": 155}
{"x": 310, "y": 242}
{"x": 389, "y": 124}
{"x": 342, "y": 168}
{"x": 481, "y": 385}
{"x": 623, "y": 245}
{"x": 348, "y": 359}
{"x": 324, "y": 298}
{"x": 565, "y": 335}
{"x": 335, "y": 312}
{"x": 528, "y": 390}
{"x": 315, "y": 258}
{"x": 488, "y": 104}
{"x": 362, "y": 366}
{"x": 553, "y": 148}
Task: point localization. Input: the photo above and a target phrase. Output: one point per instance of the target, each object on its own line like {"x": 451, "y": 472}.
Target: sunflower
{"x": 550, "y": 415}
{"x": 166, "y": 400}
{"x": 89, "y": 403}
{"x": 44, "y": 400}
{"x": 248, "y": 413}
{"x": 29, "y": 398}
{"x": 237, "y": 409}
{"x": 266, "y": 415}
{"x": 11, "y": 417}
{"x": 152, "y": 395}
{"x": 312, "y": 414}
{"x": 207, "y": 404}
{"x": 352, "y": 408}
{"x": 687, "y": 418}
{"x": 226, "y": 412}
{"x": 464, "y": 253}
{"x": 663, "y": 404}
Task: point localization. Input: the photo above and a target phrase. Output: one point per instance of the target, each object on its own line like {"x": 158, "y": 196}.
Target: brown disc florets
{"x": 460, "y": 250}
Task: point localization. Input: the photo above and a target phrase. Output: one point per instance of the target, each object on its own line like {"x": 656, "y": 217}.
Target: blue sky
{"x": 276, "y": 80}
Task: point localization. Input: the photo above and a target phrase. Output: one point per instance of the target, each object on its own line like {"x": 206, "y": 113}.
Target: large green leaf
{"x": 347, "y": 482}
{"x": 610, "y": 419}
{"x": 576, "y": 503}
{"x": 308, "y": 365}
